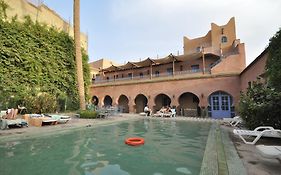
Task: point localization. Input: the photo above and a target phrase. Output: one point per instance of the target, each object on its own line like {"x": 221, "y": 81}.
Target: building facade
{"x": 44, "y": 15}
{"x": 205, "y": 80}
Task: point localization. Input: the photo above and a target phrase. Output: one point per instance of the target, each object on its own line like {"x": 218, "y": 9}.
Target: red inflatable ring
{"x": 134, "y": 141}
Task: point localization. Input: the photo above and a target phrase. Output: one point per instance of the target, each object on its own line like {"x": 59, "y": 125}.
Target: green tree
{"x": 260, "y": 106}
{"x": 273, "y": 65}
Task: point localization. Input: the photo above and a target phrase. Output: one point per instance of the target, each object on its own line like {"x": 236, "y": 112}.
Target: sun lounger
{"x": 60, "y": 118}
{"x": 262, "y": 131}
{"x": 271, "y": 152}
{"x": 39, "y": 120}
{"x": 170, "y": 114}
{"x": 235, "y": 121}
{"x": 6, "y": 123}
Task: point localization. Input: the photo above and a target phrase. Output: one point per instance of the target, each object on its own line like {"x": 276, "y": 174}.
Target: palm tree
{"x": 78, "y": 55}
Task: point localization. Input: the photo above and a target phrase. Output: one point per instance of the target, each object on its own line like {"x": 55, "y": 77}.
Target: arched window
{"x": 224, "y": 39}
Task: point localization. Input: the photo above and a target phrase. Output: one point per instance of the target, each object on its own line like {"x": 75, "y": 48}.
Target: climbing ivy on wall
{"x": 37, "y": 61}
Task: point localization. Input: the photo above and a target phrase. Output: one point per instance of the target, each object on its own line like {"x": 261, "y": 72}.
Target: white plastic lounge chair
{"x": 233, "y": 121}
{"x": 271, "y": 152}
{"x": 60, "y": 118}
{"x": 265, "y": 131}
{"x": 170, "y": 114}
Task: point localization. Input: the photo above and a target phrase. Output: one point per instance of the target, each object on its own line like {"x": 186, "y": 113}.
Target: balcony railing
{"x": 154, "y": 76}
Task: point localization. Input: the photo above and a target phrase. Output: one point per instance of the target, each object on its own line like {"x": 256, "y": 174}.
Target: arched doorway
{"x": 107, "y": 101}
{"x": 141, "y": 102}
{"x": 123, "y": 104}
{"x": 161, "y": 100}
{"x": 189, "y": 105}
{"x": 220, "y": 105}
{"x": 95, "y": 100}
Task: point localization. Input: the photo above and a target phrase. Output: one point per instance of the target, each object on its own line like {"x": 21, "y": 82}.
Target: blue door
{"x": 220, "y": 105}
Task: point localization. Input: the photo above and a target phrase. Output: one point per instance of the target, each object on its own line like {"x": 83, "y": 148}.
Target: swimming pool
{"x": 171, "y": 147}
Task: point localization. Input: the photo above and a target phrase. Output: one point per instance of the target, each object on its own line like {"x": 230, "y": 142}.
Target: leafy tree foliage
{"x": 37, "y": 67}
{"x": 260, "y": 106}
{"x": 273, "y": 67}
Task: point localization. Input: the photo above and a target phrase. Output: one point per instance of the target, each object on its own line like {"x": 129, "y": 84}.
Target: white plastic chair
{"x": 271, "y": 152}
{"x": 266, "y": 131}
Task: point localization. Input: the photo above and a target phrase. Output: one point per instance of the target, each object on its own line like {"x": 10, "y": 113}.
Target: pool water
{"x": 171, "y": 147}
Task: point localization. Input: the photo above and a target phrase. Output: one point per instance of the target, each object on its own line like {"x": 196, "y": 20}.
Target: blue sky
{"x": 130, "y": 30}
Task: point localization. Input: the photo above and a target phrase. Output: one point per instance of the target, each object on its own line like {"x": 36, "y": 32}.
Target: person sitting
{"x": 147, "y": 110}
{"x": 168, "y": 109}
{"x": 11, "y": 114}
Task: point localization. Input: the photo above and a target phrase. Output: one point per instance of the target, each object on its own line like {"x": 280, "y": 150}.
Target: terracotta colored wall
{"x": 212, "y": 41}
{"x": 201, "y": 87}
{"x": 256, "y": 68}
{"x": 233, "y": 63}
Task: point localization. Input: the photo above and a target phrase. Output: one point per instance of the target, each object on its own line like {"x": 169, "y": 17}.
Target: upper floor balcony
{"x": 152, "y": 77}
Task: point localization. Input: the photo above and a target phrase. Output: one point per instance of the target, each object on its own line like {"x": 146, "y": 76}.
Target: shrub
{"x": 88, "y": 114}
{"x": 260, "y": 106}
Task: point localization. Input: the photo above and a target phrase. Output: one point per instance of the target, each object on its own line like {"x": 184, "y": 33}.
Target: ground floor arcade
{"x": 215, "y": 97}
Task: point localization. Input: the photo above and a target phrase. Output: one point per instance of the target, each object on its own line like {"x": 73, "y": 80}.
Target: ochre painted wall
{"x": 44, "y": 15}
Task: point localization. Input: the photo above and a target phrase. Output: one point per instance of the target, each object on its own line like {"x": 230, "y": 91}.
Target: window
{"x": 249, "y": 84}
{"x": 116, "y": 76}
{"x": 107, "y": 78}
{"x": 148, "y": 72}
{"x": 141, "y": 75}
{"x": 198, "y": 49}
{"x": 122, "y": 75}
{"x": 170, "y": 71}
{"x": 97, "y": 76}
{"x": 181, "y": 68}
{"x": 157, "y": 73}
{"x": 195, "y": 68}
{"x": 223, "y": 39}
{"x": 130, "y": 75}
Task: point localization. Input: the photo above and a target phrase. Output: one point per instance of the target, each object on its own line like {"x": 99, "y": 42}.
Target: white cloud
{"x": 167, "y": 21}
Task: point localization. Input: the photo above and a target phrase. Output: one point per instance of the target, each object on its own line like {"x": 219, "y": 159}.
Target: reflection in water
{"x": 171, "y": 147}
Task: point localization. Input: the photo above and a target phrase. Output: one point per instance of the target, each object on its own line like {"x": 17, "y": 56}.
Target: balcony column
{"x": 203, "y": 58}
{"x": 150, "y": 71}
{"x": 173, "y": 67}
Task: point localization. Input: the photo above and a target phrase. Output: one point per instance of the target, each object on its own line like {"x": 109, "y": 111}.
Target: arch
{"x": 123, "y": 103}
{"x": 141, "y": 102}
{"x": 107, "y": 101}
{"x": 189, "y": 104}
{"x": 220, "y": 105}
{"x": 95, "y": 100}
{"x": 161, "y": 100}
